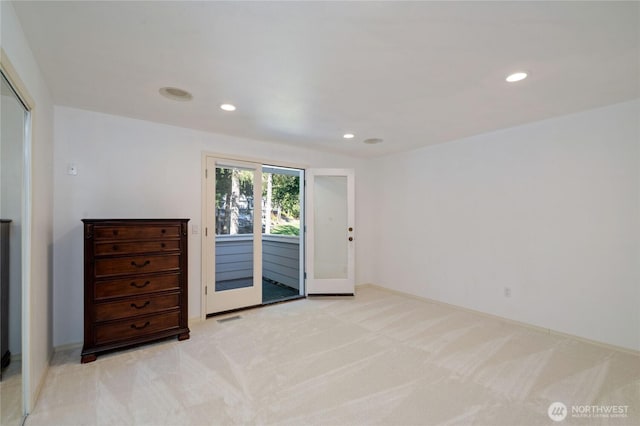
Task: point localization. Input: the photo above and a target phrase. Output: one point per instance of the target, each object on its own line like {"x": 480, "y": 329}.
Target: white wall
{"x": 38, "y": 295}
{"x": 130, "y": 168}
{"x": 550, "y": 209}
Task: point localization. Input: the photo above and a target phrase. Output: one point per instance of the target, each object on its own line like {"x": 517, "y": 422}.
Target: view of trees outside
{"x": 234, "y": 202}
{"x": 281, "y": 204}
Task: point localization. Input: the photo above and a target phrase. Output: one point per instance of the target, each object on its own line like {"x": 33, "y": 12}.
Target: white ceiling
{"x": 304, "y": 73}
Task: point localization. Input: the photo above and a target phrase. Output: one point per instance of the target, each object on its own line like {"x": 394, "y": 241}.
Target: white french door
{"x": 330, "y": 231}
{"x": 241, "y": 260}
{"x": 233, "y": 235}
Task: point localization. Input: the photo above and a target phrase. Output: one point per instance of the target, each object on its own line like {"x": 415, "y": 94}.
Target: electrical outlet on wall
{"x": 507, "y": 292}
{"x": 195, "y": 229}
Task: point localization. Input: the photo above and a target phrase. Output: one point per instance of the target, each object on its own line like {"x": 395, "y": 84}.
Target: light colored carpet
{"x": 378, "y": 358}
{"x": 11, "y": 394}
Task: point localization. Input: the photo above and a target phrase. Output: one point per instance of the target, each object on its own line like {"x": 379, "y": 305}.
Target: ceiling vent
{"x": 372, "y": 141}
{"x": 176, "y": 94}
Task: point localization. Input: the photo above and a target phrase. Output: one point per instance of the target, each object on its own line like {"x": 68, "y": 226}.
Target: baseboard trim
{"x": 365, "y": 285}
{"x": 67, "y": 347}
{"x": 507, "y": 320}
{"x": 195, "y": 320}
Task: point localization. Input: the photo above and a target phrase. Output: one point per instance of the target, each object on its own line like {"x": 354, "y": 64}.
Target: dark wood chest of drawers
{"x": 135, "y": 282}
{"x": 5, "y": 226}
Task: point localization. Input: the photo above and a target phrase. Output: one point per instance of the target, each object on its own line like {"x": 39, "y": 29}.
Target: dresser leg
{"x": 183, "y": 336}
{"x": 88, "y": 358}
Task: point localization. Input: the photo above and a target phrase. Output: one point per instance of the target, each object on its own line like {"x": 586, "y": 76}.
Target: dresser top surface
{"x": 133, "y": 220}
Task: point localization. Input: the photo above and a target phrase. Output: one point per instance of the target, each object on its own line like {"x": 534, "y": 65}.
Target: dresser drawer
{"x": 136, "y": 286}
{"x": 134, "y": 247}
{"x": 132, "y": 328}
{"x": 136, "y": 265}
{"x": 133, "y": 307}
{"x": 141, "y": 232}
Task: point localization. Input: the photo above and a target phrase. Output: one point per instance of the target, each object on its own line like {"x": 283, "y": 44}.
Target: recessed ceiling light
{"x": 228, "y": 107}
{"x": 349, "y": 136}
{"x": 516, "y": 77}
{"x": 175, "y": 94}
{"x": 372, "y": 141}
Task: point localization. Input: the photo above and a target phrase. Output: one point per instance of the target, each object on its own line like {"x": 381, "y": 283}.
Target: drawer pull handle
{"x": 163, "y": 245}
{"x": 115, "y": 232}
{"x": 115, "y": 248}
{"x": 133, "y": 284}
{"x": 146, "y": 262}
{"x": 135, "y": 327}
{"x": 163, "y": 231}
{"x": 133, "y": 305}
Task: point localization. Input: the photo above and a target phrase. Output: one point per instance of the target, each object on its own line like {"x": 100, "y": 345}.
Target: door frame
{"x": 235, "y": 298}
{"x": 205, "y": 261}
{"x": 28, "y": 400}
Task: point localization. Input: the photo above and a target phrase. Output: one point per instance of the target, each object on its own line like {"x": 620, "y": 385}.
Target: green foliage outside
{"x": 224, "y": 178}
{"x": 285, "y": 201}
{"x": 286, "y": 230}
{"x": 285, "y": 193}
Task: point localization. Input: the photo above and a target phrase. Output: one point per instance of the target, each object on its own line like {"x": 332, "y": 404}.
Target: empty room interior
{"x": 332, "y": 213}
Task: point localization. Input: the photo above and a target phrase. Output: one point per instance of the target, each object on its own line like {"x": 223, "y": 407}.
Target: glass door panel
{"x": 330, "y": 238}
{"x": 330, "y": 224}
{"x": 234, "y": 218}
